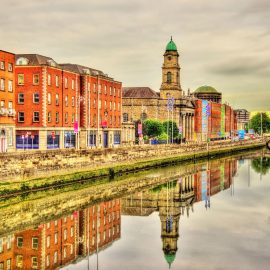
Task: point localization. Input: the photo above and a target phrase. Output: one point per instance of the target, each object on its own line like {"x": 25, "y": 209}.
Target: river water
{"x": 210, "y": 215}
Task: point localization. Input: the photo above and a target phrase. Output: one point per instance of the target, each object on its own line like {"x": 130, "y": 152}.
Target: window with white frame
{"x": 10, "y": 105}
{"x": 66, "y": 82}
{"x": 2, "y": 104}
{"x": 125, "y": 117}
{"x": 20, "y": 79}
{"x": 57, "y": 99}
{"x": 19, "y": 241}
{"x": 34, "y": 242}
{"x": 35, "y": 116}
{"x": 73, "y": 101}
{"x": 10, "y": 86}
{"x": 48, "y": 241}
{"x": 55, "y": 257}
{"x": 36, "y": 98}
{"x": 49, "y": 98}
{"x": 21, "y": 117}
{"x": 49, "y": 79}
{"x": 21, "y": 98}
{"x": 57, "y": 81}
{"x": 19, "y": 261}
{"x": 34, "y": 262}
{"x": 2, "y": 84}
{"x": 49, "y": 117}
{"x": 66, "y": 101}
{"x": 72, "y": 84}
{"x": 35, "y": 79}
{"x": 10, "y": 67}
{"x": 2, "y": 65}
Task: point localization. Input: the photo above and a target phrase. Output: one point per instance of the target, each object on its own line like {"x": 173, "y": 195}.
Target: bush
{"x": 152, "y": 128}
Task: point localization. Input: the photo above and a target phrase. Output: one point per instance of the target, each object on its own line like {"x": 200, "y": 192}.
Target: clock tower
{"x": 171, "y": 73}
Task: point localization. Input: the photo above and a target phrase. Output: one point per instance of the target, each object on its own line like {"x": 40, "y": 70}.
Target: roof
{"x": 171, "y": 46}
{"x": 35, "y": 59}
{"x": 206, "y": 89}
{"x": 81, "y": 69}
{"x": 139, "y": 92}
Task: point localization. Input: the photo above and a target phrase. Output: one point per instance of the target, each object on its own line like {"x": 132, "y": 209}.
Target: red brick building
{"x": 101, "y": 105}
{"x": 63, "y": 106}
{"x": 7, "y": 111}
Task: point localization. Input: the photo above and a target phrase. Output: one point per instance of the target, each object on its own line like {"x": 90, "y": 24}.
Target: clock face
{"x": 169, "y": 58}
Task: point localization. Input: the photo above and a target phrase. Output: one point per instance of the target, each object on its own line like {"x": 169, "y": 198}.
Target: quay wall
{"x": 24, "y": 166}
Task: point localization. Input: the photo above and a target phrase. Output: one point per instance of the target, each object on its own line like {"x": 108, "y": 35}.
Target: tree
{"x": 175, "y": 128}
{"x": 255, "y": 123}
{"x": 152, "y": 128}
{"x": 261, "y": 165}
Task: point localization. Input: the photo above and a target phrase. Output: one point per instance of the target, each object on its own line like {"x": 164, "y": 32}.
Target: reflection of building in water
{"x": 172, "y": 199}
{"x": 61, "y": 241}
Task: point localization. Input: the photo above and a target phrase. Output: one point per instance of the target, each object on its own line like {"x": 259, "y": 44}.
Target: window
{"x": 10, "y": 86}
{"x": 66, "y": 117}
{"x": 72, "y": 101}
{"x": 48, "y": 225}
{"x": 111, "y": 120}
{"x": 57, "y": 81}
{"x": 99, "y": 89}
{"x": 105, "y": 89}
{"x": 114, "y": 107}
{"x": 19, "y": 261}
{"x": 95, "y": 86}
{"x": 35, "y": 262}
{"x": 49, "y": 98}
{"x": 119, "y": 93}
{"x": 169, "y": 77}
{"x": 2, "y": 104}
{"x": 2, "y": 84}
{"x": 9, "y": 264}
{"x": 66, "y": 82}
{"x": 35, "y": 116}
{"x": 65, "y": 252}
{"x": 66, "y": 101}
{"x": 57, "y": 117}
{"x": 73, "y": 118}
{"x": 20, "y": 79}
{"x": 2, "y": 65}
{"x": 72, "y": 231}
{"x": 94, "y": 105}
{"x": 48, "y": 260}
{"x": 49, "y": 117}
{"x": 143, "y": 116}
{"x": 49, "y": 79}
{"x": 71, "y": 249}
{"x": 114, "y": 91}
{"x": 110, "y": 90}
{"x": 10, "y": 105}
{"x": 1, "y": 245}
{"x": 125, "y": 117}
{"x": 10, "y": 67}
{"x": 48, "y": 241}
{"x": 65, "y": 234}
{"x": 57, "y": 99}
{"x": 20, "y": 117}
{"x": 56, "y": 238}
{"x": 99, "y": 104}
{"x": 55, "y": 223}
{"x": 19, "y": 241}
{"x": 72, "y": 84}
{"x": 110, "y": 105}
{"x": 36, "y": 98}
{"x": 34, "y": 242}
{"x": 55, "y": 257}
{"x": 35, "y": 79}
{"x": 9, "y": 242}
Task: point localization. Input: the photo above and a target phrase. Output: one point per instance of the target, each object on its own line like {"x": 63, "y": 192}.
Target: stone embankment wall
{"x": 33, "y": 164}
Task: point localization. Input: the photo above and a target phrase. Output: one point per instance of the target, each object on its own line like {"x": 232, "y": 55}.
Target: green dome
{"x": 206, "y": 89}
{"x": 169, "y": 258}
{"x": 171, "y": 46}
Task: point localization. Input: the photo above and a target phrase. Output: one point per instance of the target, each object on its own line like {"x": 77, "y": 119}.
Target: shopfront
{"x": 69, "y": 139}
{"x": 92, "y": 138}
{"x": 53, "y": 139}
{"x": 27, "y": 139}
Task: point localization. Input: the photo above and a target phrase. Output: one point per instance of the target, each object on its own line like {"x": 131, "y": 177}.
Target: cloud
{"x": 127, "y": 39}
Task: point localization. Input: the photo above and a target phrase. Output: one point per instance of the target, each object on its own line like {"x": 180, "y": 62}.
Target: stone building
{"x": 242, "y": 117}
{"x": 140, "y": 103}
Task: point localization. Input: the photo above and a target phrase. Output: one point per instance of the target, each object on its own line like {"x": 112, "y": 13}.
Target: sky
{"x": 224, "y": 44}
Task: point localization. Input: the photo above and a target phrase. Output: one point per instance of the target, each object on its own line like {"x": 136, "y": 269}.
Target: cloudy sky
{"x": 225, "y": 44}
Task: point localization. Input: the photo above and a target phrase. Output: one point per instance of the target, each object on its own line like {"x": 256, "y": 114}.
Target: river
{"x": 209, "y": 215}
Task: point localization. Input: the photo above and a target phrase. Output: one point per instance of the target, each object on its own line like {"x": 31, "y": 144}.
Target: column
{"x": 183, "y": 125}
{"x": 192, "y": 127}
{"x": 186, "y": 127}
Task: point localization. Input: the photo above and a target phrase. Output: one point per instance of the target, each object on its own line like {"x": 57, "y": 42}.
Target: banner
{"x": 76, "y": 127}
{"x": 140, "y": 129}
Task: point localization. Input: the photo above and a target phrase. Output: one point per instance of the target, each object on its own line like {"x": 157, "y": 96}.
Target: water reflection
{"x": 76, "y": 237}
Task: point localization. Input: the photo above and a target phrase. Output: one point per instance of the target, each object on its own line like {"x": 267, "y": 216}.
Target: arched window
{"x": 22, "y": 61}
{"x": 143, "y": 116}
{"x": 125, "y": 117}
{"x": 169, "y": 77}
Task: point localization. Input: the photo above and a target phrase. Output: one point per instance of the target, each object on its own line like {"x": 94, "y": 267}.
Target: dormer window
{"x": 51, "y": 63}
{"x": 22, "y": 61}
